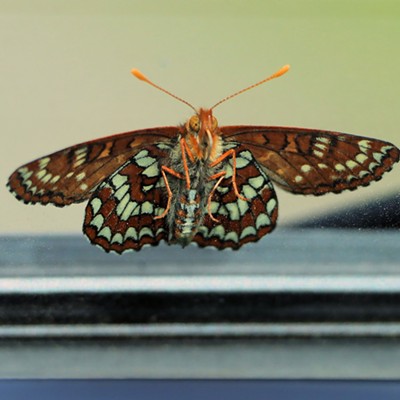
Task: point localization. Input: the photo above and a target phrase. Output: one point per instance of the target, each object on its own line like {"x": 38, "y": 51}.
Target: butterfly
{"x": 197, "y": 182}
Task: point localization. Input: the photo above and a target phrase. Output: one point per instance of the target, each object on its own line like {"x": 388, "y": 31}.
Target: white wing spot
{"x": 249, "y": 230}
{"x": 378, "y": 157}
{"x": 340, "y": 167}
{"x": 223, "y": 190}
{"x": 218, "y": 231}
{"x": 233, "y": 236}
{"x": 386, "y": 149}
{"x": 241, "y": 160}
{"x": 117, "y": 238}
{"x": 136, "y": 210}
{"x": 243, "y": 206}
{"x": 351, "y": 164}
{"x": 320, "y": 146}
{"x": 318, "y": 153}
{"x": 248, "y": 192}
{"x": 82, "y": 150}
{"x": 79, "y": 162}
{"x": 159, "y": 230}
{"x": 263, "y": 220}
{"x": 131, "y": 233}
{"x": 152, "y": 171}
{"x": 147, "y": 208}
{"x": 163, "y": 146}
{"x": 23, "y": 170}
{"x": 118, "y": 180}
{"x": 80, "y": 176}
{"x": 222, "y": 210}
{"x": 214, "y": 207}
{"x": 43, "y": 162}
{"x": 96, "y": 204}
{"x": 233, "y": 211}
{"x": 25, "y": 173}
{"x": 55, "y": 179}
{"x": 97, "y": 221}
{"x": 229, "y": 171}
{"x": 147, "y": 188}
{"x": 106, "y": 233}
{"x": 122, "y": 204}
{"x": 128, "y": 210}
{"x": 142, "y": 153}
{"x": 360, "y": 158}
{"x": 246, "y": 154}
{"x": 364, "y": 145}
{"x": 323, "y": 139}
{"x": 121, "y": 192}
{"x": 372, "y": 166}
{"x": 305, "y": 168}
{"x": 271, "y": 204}
{"x": 257, "y": 181}
{"x": 47, "y": 178}
{"x": 159, "y": 211}
{"x": 298, "y": 178}
{"x": 40, "y": 174}
{"x": 145, "y": 232}
{"x": 144, "y": 162}
{"x": 80, "y": 156}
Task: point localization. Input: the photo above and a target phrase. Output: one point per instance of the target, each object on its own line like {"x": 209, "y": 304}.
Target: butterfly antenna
{"x": 139, "y": 75}
{"x": 277, "y": 74}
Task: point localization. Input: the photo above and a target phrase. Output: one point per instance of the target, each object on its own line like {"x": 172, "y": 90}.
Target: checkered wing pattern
{"x": 307, "y": 161}
{"x": 70, "y": 175}
{"x": 121, "y": 212}
{"x": 240, "y": 221}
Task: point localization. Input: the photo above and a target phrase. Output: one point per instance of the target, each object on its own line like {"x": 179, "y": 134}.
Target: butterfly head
{"x": 202, "y": 133}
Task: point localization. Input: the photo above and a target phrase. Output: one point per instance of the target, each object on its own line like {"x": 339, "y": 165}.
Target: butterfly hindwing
{"x": 70, "y": 175}
{"x": 240, "y": 221}
{"x": 121, "y": 214}
{"x": 307, "y": 161}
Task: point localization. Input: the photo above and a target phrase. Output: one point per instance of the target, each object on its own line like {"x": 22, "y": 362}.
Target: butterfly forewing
{"x": 121, "y": 212}
{"x": 70, "y": 175}
{"x": 240, "y": 221}
{"x": 308, "y": 161}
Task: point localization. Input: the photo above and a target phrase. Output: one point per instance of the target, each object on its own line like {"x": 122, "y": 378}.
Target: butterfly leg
{"x": 230, "y": 153}
{"x": 221, "y": 176}
{"x": 165, "y": 169}
{"x": 186, "y": 150}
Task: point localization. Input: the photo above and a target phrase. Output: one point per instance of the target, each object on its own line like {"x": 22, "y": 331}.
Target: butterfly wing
{"x": 240, "y": 221}
{"x": 70, "y": 175}
{"x": 308, "y": 161}
{"x": 121, "y": 213}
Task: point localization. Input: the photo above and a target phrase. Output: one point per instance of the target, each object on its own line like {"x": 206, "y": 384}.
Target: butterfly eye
{"x": 194, "y": 123}
{"x": 214, "y": 123}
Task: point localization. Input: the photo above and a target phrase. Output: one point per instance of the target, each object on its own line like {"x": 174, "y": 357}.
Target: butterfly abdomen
{"x": 188, "y": 217}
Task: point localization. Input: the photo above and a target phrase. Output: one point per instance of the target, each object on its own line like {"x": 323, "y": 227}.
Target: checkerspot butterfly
{"x": 197, "y": 182}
